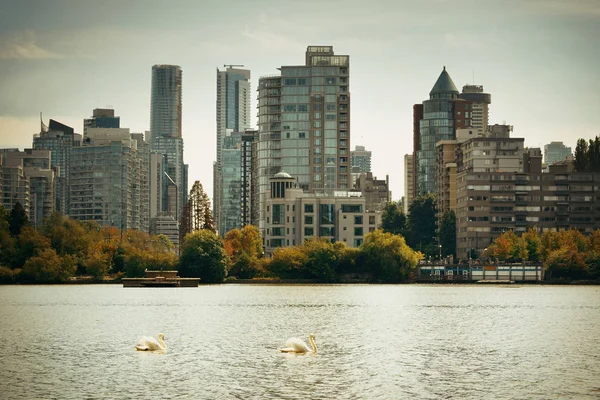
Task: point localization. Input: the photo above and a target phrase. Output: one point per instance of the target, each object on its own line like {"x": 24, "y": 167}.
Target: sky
{"x": 539, "y": 59}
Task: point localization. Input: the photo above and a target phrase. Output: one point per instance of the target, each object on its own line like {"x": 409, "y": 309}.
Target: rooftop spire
{"x": 444, "y": 84}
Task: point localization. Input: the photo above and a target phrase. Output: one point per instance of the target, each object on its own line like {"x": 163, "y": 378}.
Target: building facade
{"x": 294, "y": 215}
{"x": 233, "y": 115}
{"x": 491, "y": 203}
{"x": 249, "y": 184}
{"x": 107, "y": 176}
{"x": 376, "y": 192}
{"x": 409, "y": 189}
{"x": 478, "y": 113}
{"x": 304, "y": 124}
{"x": 437, "y": 124}
{"x": 556, "y": 151}
{"x": 361, "y": 158}
{"x": 165, "y": 107}
{"x": 102, "y": 118}
{"x": 60, "y": 139}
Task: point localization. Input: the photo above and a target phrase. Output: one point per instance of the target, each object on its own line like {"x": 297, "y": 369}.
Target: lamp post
{"x": 440, "y": 251}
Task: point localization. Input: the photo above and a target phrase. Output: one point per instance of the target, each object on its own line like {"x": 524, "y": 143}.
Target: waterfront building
{"x": 170, "y": 149}
{"x": 60, "y": 139}
{"x": 304, "y": 125}
{"x": 36, "y": 168}
{"x": 409, "y": 189}
{"x": 101, "y": 118}
{"x": 437, "y": 124}
{"x": 231, "y": 183}
{"x": 556, "y": 151}
{"x": 492, "y": 202}
{"x": 15, "y": 184}
{"x": 294, "y": 215}
{"x": 233, "y": 115}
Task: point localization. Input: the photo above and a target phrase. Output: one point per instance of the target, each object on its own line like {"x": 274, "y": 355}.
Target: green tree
{"x": 581, "y": 153}
{"x": 534, "y": 244}
{"x": 322, "y": 258}
{"x": 422, "y": 222}
{"x": 388, "y": 257}
{"x": 7, "y": 242}
{"x": 17, "y": 219}
{"x": 48, "y": 267}
{"x": 288, "y": 263}
{"x": 448, "y": 233}
{"x": 203, "y": 256}
{"x": 393, "y": 220}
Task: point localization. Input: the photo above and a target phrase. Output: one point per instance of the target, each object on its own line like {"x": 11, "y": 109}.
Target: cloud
{"x": 23, "y": 46}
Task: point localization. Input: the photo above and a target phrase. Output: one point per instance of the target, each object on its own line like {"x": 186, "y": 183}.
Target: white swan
{"x": 295, "y": 345}
{"x": 150, "y": 344}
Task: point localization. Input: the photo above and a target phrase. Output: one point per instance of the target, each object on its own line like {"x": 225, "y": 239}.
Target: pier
{"x": 161, "y": 279}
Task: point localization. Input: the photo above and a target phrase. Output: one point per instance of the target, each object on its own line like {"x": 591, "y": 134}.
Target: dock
{"x": 161, "y": 279}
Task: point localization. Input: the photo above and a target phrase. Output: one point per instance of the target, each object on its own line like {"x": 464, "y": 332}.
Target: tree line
{"x": 565, "y": 254}
{"x": 63, "y": 248}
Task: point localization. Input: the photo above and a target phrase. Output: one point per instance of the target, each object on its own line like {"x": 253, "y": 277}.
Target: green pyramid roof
{"x": 444, "y": 84}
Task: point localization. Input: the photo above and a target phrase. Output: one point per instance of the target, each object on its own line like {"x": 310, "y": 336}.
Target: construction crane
{"x": 232, "y": 65}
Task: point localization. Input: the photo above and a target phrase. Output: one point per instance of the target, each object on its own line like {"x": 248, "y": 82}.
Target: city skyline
{"x": 536, "y": 59}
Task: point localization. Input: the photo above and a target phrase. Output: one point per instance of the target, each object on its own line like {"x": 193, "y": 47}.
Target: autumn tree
{"x": 244, "y": 248}
{"x": 287, "y": 262}
{"x": 533, "y": 242}
{"x": 388, "y": 257}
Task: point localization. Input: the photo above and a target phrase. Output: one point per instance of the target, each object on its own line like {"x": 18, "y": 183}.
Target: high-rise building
{"x": 359, "y": 157}
{"x": 304, "y": 124}
{"x": 107, "y": 180}
{"x": 437, "y": 124}
{"x": 556, "y": 151}
{"x": 15, "y": 185}
{"x": 165, "y": 108}
{"x": 101, "y": 118}
{"x": 249, "y": 195}
{"x": 60, "y": 139}
{"x": 230, "y": 215}
{"x": 409, "y": 189}
{"x": 376, "y": 192}
{"x": 166, "y": 135}
{"x": 478, "y": 114}
{"x": 233, "y": 115}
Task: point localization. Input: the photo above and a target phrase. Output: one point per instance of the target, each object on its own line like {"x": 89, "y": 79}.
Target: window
{"x": 327, "y": 231}
{"x": 277, "y": 232}
{"x": 371, "y": 220}
{"x": 326, "y": 214}
{"x": 309, "y": 208}
{"x": 308, "y": 220}
{"x": 278, "y": 214}
{"x": 358, "y": 231}
{"x": 358, "y": 220}
{"x": 309, "y": 231}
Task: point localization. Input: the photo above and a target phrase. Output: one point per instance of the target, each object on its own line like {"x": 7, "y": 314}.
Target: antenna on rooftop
{"x": 232, "y": 65}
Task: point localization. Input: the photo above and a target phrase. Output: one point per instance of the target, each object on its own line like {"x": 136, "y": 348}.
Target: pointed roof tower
{"x": 444, "y": 84}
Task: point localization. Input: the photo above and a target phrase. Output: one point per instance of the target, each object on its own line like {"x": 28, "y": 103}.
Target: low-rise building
{"x": 292, "y": 216}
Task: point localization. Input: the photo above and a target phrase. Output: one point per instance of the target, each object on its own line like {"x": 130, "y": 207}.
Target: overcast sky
{"x": 539, "y": 59}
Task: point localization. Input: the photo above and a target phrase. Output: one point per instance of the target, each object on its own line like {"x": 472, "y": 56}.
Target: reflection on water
{"x": 387, "y": 342}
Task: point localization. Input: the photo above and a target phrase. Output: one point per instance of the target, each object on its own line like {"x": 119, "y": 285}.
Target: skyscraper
{"x": 233, "y": 115}
{"x": 165, "y": 133}
{"x": 165, "y": 108}
{"x": 437, "y": 124}
{"x": 101, "y": 118}
{"x": 304, "y": 124}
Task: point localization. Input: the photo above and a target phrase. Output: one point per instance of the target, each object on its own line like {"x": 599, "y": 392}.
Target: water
{"x": 375, "y": 342}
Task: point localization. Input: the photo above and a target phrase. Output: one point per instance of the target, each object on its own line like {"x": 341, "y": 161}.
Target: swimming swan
{"x": 295, "y": 345}
{"x": 150, "y": 344}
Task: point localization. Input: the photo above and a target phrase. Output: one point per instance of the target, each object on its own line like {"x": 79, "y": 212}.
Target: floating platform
{"x": 496, "y": 282}
{"x": 161, "y": 279}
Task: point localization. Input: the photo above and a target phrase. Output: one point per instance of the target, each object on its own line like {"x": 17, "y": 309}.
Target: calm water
{"x": 388, "y": 342}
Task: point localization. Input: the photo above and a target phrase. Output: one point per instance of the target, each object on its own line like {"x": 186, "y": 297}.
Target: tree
{"x": 196, "y": 213}
{"x": 448, "y": 233}
{"x": 533, "y": 243}
{"x": 17, "y": 219}
{"x": 388, "y": 257}
{"x": 393, "y": 220}
{"x": 580, "y": 158}
{"x": 49, "y": 267}
{"x": 322, "y": 258}
{"x": 244, "y": 248}
{"x": 287, "y": 262}
{"x": 422, "y": 221}
{"x": 203, "y": 256}
{"x": 7, "y": 242}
